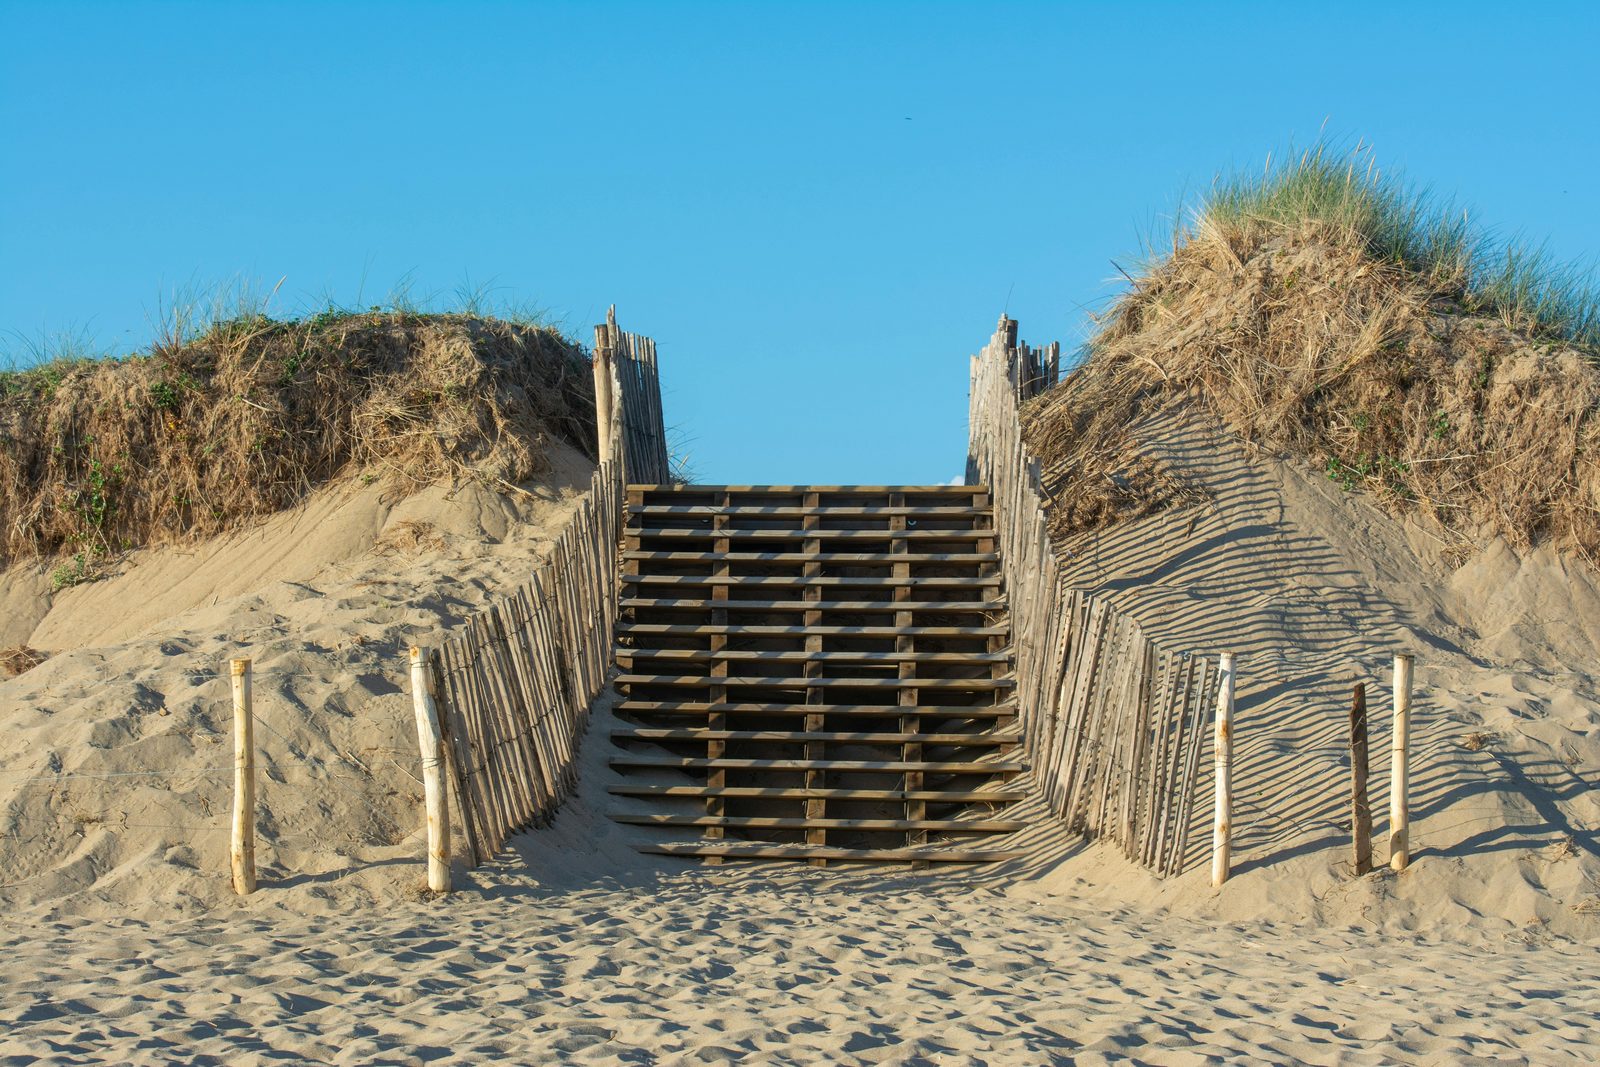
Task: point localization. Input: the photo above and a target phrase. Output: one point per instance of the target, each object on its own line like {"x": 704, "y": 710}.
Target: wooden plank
{"x": 973, "y": 740}
{"x": 690, "y": 629}
{"x": 810, "y": 555}
{"x": 776, "y": 682}
{"x": 794, "y": 852}
{"x": 952, "y": 796}
{"x": 736, "y": 655}
{"x": 764, "y": 581}
{"x": 948, "y": 607}
{"x": 699, "y": 708}
{"x": 756, "y": 822}
{"x": 976, "y": 767}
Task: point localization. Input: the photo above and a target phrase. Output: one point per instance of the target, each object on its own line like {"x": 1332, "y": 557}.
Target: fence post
{"x": 1222, "y": 821}
{"x": 430, "y": 742}
{"x": 1399, "y": 771}
{"x": 604, "y": 356}
{"x": 1360, "y": 810}
{"x": 242, "y": 845}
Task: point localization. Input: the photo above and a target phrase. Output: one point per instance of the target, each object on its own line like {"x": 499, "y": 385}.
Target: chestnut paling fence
{"x": 513, "y": 688}
{"x": 1114, "y": 724}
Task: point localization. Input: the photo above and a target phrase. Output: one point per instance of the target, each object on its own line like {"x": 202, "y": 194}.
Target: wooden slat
{"x": 800, "y": 764}
{"x": 951, "y": 796}
{"x": 695, "y": 629}
{"x": 704, "y": 708}
{"x": 835, "y": 511}
{"x": 950, "y": 607}
{"x": 862, "y": 855}
{"x": 977, "y": 826}
{"x": 816, "y": 556}
{"x": 774, "y": 682}
{"x": 850, "y": 490}
{"x": 974, "y": 740}
{"x": 762, "y": 581}
{"x": 736, "y": 655}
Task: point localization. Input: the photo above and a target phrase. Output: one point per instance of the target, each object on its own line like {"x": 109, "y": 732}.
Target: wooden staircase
{"x": 816, "y": 672}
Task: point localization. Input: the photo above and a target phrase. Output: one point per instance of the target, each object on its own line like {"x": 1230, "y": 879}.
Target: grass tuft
{"x": 1515, "y": 280}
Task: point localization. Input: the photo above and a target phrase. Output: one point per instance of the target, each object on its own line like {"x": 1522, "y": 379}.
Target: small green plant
{"x": 79, "y": 570}
{"x": 1439, "y": 426}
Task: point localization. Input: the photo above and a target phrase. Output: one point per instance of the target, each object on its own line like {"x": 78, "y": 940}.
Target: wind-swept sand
{"x": 122, "y": 943}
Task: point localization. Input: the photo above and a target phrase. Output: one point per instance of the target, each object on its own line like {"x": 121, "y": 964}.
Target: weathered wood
{"x": 1222, "y": 821}
{"x": 430, "y": 746}
{"x": 1400, "y": 768}
{"x": 1360, "y": 810}
{"x": 242, "y": 841}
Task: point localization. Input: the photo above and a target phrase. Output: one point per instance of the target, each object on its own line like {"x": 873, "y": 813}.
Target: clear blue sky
{"x": 819, "y": 211}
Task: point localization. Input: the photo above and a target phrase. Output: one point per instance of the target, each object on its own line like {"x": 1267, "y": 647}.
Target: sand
{"x": 123, "y": 944}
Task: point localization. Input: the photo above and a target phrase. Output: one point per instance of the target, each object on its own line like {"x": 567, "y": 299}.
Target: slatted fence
{"x": 513, "y": 687}
{"x": 1114, "y": 724}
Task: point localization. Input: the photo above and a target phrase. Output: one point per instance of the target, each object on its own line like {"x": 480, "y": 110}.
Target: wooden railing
{"x": 1114, "y": 725}
{"x": 505, "y": 700}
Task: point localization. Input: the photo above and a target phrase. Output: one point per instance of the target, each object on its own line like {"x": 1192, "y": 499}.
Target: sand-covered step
{"x": 780, "y": 792}
{"x": 694, "y": 763}
{"x": 759, "y": 851}
{"x": 837, "y": 737}
{"x": 702, "y": 708}
{"x": 758, "y": 822}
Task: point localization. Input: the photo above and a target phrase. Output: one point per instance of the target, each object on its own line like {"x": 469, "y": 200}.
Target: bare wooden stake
{"x": 1222, "y": 822}
{"x": 1399, "y": 771}
{"x": 1360, "y": 810}
{"x": 242, "y": 849}
{"x": 430, "y": 742}
{"x": 604, "y": 356}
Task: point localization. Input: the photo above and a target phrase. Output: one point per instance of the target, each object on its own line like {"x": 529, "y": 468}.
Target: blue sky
{"x": 818, "y": 210}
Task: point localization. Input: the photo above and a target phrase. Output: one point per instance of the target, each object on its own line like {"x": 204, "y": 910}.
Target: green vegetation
{"x": 1513, "y": 280}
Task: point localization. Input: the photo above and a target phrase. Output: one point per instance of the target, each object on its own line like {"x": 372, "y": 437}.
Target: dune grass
{"x": 1513, "y": 279}
{"x": 231, "y": 413}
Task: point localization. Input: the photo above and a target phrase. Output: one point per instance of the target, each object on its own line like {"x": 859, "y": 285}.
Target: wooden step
{"x": 697, "y": 629}
{"x": 821, "y": 511}
{"x": 853, "y": 558}
{"x": 838, "y": 737}
{"x": 690, "y": 763}
{"x": 701, "y": 709}
{"x": 761, "y": 822}
{"x": 760, "y": 581}
{"x": 991, "y": 604}
{"x": 818, "y": 852}
{"x": 780, "y": 792}
{"x": 777, "y": 682}
{"x": 799, "y": 534}
{"x": 682, "y": 488}
{"x": 734, "y": 655}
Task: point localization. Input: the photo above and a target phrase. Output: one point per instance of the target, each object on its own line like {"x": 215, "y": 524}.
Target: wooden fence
{"x": 644, "y": 434}
{"x": 511, "y": 690}
{"x": 1114, "y": 725}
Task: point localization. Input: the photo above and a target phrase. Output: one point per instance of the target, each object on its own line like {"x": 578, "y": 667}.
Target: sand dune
{"x": 125, "y": 944}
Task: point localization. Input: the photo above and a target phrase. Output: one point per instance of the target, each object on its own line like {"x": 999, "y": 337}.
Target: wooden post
{"x": 1222, "y": 822}
{"x": 242, "y": 848}
{"x": 604, "y": 355}
{"x": 1360, "y": 810}
{"x": 1399, "y": 772}
{"x": 430, "y": 741}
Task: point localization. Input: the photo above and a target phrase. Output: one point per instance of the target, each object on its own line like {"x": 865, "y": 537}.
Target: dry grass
{"x": 247, "y": 418}
{"x": 19, "y": 659}
{"x": 1303, "y": 339}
